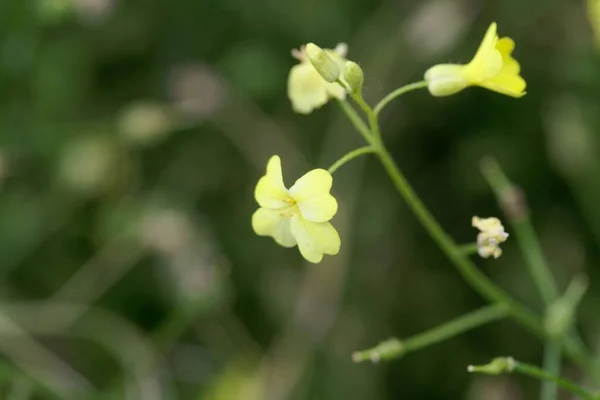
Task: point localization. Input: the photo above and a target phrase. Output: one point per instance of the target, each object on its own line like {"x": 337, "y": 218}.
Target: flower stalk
{"x": 394, "y": 348}
{"x": 507, "y": 365}
{"x": 468, "y": 270}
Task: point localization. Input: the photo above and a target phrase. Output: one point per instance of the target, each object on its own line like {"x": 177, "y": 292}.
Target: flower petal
{"x": 315, "y": 238}
{"x": 487, "y": 61}
{"x": 270, "y": 192}
{"x": 311, "y": 193}
{"x": 508, "y": 84}
{"x": 272, "y": 223}
{"x": 336, "y": 91}
{"x": 488, "y": 43}
{"x": 307, "y": 90}
{"x": 506, "y": 46}
{"x": 507, "y": 81}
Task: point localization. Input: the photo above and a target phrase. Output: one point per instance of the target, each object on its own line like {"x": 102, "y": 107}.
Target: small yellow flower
{"x": 490, "y": 236}
{"x": 306, "y": 87}
{"x": 492, "y": 68}
{"x": 297, "y": 216}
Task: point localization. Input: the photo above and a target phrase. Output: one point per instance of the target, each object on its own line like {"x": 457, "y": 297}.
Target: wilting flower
{"x": 297, "y": 216}
{"x": 492, "y": 68}
{"x": 307, "y": 89}
{"x": 490, "y": 236}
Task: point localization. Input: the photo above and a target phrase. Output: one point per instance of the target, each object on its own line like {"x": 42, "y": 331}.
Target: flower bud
{"x": 500, "y": 365}
{"x": 445, "y": 80}
{"x": 326, "y": 66}
{"x": 354, "y": 77}
{"x": 387, "y": 350}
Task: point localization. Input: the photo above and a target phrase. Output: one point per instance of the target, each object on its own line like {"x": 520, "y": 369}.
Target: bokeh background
{"x": 132, "y": 134}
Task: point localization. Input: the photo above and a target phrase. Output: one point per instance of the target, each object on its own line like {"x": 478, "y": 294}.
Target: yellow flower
{"x": 490, "y": 236}
{"x": 492, "y": 68}
{"x": 306, "y": 87}
{"x": 297, "y": 216}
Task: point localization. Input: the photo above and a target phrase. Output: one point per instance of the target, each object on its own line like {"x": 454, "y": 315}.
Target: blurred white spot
{"x": 145, "y": 122}
{"x": 437, "y": 26}
{"x": 94, "y": 11}
{"x": 189, "y": 258}
{"x": 496, "y": 388}
{"x": 88, "y": 164}
{"x": 196, "y": 91}
{"x": 166, "y": 231}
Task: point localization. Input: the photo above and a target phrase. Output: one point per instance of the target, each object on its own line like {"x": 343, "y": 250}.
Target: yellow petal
{"x": 272, "y": 223}
{"x": 508, "y": 84}
{"x": 336, "y": 91}
{"x": 315, "y": 238}
{"x": 270, "y": 192}
{"x": 507, "y": 81}
{"x": 488, "y": 60}
{"x": 307, "y": 90}
{"x": 506, "y": 46}
{"x": 311, "y": 193}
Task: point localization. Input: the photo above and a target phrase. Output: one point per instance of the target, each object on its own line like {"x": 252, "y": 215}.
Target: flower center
{"x": 291, "y": 210}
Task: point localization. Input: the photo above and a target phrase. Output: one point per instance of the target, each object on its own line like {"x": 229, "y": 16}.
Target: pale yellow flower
{"x": 492, "y": 68}
{"x": 307, "y": 89}
{"x": 297, "y": 216}
{"x": 490, "y": 236}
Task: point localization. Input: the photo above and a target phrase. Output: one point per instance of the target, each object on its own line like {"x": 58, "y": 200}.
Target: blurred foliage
{"x": 132, "y": 134}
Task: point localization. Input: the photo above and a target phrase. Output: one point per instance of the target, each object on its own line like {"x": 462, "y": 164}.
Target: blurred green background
{"x": 132, "y": 134}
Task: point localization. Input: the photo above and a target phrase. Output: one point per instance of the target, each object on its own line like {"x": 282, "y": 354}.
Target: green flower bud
{"x": 500, "y": 365}
{"x": 445, "y": 80}
{"x": 354, "y": 77}
{"x": 326, "y": 66}
{"x": 387, "y": 350}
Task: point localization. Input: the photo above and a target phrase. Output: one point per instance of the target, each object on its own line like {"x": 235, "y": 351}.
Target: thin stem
{"x": 356, "y": 120}
{"x": 511, "y": 200}
{"x": 398, "y": 92}
{"x": 350, "y": 156}
{"x": 394, "y": 348}
{"x": 455, "y": 327}
{"x": 551, "y": 364}
{"x": 538, "y": 373}
{"x": 468, "y": 249}
{"x": 372, "y": 118}
{"x": 479, "y": 281}
{"x": 468, "y": 270}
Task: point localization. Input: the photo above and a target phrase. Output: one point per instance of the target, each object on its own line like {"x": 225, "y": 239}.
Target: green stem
{"x": 398, "y": 92}
{"x": 467, "y": 269}
{"x": 514, "y": 207}
{"x": 551, "y": 364}
{"x": 371, "y": 117}
{"x": 453, "y": 328}
{"x": 355, "y": 119}
{"x": 535, "y": 372}
{"x": 395, "y": 348}
{"x": 350, "y": 156}
{"x": 479, "y": 281}
{"x": 468, "y": 249}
